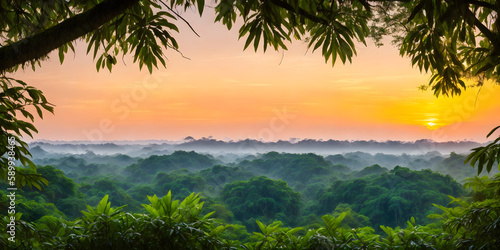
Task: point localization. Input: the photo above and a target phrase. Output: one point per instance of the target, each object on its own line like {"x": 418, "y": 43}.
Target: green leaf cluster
{"x": 486, "y": 156}
{"x": 17, "y": 97}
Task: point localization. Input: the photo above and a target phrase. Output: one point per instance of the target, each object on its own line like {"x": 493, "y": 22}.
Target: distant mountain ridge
{"x": 251, "y": 146}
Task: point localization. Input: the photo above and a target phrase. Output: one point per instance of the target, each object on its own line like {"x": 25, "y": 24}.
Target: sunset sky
{"x": 228, "y": 93}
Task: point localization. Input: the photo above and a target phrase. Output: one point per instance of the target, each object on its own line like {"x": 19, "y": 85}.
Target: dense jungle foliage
{"x": 188, "y": 200}
{"x": 452, "y": 40}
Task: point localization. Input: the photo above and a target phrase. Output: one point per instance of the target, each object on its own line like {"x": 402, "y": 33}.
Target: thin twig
{"x": 282, "y": 56}
{"x": 178, "y": 51}
{"x": 179, "y": 16}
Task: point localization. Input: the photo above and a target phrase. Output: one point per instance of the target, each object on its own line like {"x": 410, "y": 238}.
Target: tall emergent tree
{"x": 454, "y": 40}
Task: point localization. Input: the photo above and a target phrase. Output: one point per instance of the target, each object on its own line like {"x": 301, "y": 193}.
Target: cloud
{"x": 356, "y": 87}
{"x": 255, "y": 85}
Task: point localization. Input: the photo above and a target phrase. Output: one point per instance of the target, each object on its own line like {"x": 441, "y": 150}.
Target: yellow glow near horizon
{"x": 431, "y": 124}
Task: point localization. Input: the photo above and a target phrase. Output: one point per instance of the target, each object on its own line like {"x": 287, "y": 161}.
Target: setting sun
{"x": 431, "y": 124}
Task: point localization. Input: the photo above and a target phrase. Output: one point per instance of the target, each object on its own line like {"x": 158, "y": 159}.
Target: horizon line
{"x": 291, "y": 140}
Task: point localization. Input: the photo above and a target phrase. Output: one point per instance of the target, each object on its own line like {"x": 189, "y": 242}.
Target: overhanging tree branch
{"x": 479, "y": 25}
{"x": 39, "y": 45}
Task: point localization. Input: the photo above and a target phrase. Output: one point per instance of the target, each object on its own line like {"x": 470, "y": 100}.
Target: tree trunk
{"x": 39, "y": 45}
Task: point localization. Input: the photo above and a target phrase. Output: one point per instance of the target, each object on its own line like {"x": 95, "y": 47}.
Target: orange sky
{"x": 226, "y": 92}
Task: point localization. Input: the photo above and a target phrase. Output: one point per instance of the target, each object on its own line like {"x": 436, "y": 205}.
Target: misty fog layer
{"x": 249, "y": 146}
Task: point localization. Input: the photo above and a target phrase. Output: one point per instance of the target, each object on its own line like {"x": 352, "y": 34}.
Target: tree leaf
{"x": 492, "y": 131}
{"x": 201, "y": 6}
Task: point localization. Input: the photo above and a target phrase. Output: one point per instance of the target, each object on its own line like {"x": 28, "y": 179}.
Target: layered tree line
{"x": 453, "y": 40}
{"x": 244, "y": 200}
